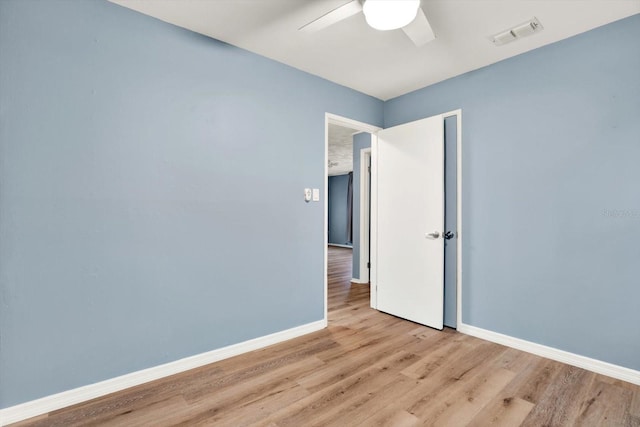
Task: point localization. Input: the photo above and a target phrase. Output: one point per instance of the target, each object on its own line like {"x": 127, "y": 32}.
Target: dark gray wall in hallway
{"x": 337, "y": 198}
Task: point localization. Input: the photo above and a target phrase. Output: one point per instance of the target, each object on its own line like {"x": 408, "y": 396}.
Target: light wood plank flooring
{"x": 369, "y": 369}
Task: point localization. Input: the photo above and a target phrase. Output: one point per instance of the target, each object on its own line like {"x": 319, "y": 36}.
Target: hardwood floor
{"x": 368, "y": 369}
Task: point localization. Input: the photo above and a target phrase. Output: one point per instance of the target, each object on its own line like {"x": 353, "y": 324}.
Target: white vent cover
{"x": 522, "y": 30}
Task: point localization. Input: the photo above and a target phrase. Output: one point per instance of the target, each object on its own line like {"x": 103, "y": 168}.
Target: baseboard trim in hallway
{"x": 67, "y": 398}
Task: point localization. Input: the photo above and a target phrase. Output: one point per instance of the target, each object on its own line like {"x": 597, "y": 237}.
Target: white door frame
{"x": 374, "y": 215}
{"x": 365, "y": 215}
{"x": 353, "y": 124}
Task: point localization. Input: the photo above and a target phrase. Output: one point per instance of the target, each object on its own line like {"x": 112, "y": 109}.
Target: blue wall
{"x": 338, "y": 214}
{"x": 551, "y": 203}
{"x": 360, "y": 141}
{"x": 137, "y": 160}
{"x": 141, "y": 173}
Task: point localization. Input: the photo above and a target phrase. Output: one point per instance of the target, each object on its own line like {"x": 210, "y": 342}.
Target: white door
{"x": 410, "y": 221}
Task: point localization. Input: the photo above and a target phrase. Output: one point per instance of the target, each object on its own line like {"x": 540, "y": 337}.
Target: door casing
{"x": 334, "y": 119}
{"x": 365, "y": 127}
{"x": 365, "y": 216}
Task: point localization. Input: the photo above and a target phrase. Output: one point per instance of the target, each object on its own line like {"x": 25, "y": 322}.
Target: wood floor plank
{"x": 320, "y": 403}
{"x": 434, "y": 378}
{"x": 510, "y": 411}
{"x": 218, "y": 402}
{"x": 238, "y": 377}
{"x": 461, "y": 396}
{"x": 634, "y": 408}
{"x": 356, "y": 360}
{"x": 607, "y": 405}
{"x": 299, "y": 347}
{"x": 258, "y": 410}
{"x": 438, "y": 355}
{"x": 562, "y": 401}
{"x": 163, "y": 412}
{"x": 356, "y": 400}
{"x": 402, "y": 419}
{"x": 387, "y": 416}
{"x": 514, "y": 402}
{"x": 368, "y": 368}
{"x": 465, "y": 400}
{"x": 365, "y": 409}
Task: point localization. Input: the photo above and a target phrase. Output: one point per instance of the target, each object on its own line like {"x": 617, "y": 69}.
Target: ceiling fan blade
{"x": 419, "y": 30}
{"x": 330, "y": 18}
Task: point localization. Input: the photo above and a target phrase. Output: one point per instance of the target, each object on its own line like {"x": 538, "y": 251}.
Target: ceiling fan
{"x": 382, "y": 15}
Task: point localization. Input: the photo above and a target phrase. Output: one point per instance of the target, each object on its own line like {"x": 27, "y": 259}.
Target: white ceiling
{"x": 384, "y": 64}
{"x": 340, "y": 149}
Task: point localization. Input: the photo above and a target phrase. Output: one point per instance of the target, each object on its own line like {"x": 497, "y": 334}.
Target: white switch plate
{"x": 316, "y": 194}
{"x": 307, "y": 195}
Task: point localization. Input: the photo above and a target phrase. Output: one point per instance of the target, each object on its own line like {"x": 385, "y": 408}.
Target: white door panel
{"x": 410, "y": 206}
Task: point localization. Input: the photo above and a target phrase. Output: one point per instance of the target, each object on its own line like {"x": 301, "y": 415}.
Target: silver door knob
{"x": 433, "y": 235}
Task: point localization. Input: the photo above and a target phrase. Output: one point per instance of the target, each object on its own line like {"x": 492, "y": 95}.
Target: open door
{"x": 410, "y": 220}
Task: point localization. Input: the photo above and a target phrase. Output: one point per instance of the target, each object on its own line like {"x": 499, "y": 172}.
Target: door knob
{"x": 448, "y": 235}
{"x": 433, "y": 235}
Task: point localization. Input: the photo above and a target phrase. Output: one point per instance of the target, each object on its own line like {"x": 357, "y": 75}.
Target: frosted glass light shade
{"x": 386, "y": 15}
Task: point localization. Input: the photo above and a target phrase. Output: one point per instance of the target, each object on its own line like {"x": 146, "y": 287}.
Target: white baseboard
{"x": 339, "y": 245}
{"x": 359, "y": 282}
{"x": 61, "y": 400}
{"x": 594, "y": 365}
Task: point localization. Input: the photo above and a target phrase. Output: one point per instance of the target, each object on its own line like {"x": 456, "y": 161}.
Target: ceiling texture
{"x": 384, "y": 64}
{"x": 340, "y": 158}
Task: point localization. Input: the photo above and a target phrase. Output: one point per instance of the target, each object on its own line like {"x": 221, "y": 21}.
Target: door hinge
{"x": 369, "y": 169}
{"x": 368, "y": 265}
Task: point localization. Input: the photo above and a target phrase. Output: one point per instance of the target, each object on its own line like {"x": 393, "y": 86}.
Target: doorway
{"x": 340, "y": 188}
{"x": 453, "y": 131}
{"x": 353, "y": 238}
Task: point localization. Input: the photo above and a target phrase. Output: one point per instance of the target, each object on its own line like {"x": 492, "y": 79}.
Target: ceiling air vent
{"x": 519, "y": 31}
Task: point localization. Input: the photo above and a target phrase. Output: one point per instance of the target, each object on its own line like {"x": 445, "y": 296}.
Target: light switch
{"x": 307, "y": 195}
{"x": 316, "y": 194}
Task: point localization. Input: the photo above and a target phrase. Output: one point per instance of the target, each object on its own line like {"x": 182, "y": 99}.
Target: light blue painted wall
{"x": 360, "y": 141}
{"x": 551, "y": 202}
{"x": 146, "y": 211}
{"x": 337, "y": 221}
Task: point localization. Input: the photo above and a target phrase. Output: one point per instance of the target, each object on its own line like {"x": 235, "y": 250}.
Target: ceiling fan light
{"x": 386, "y": 15}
